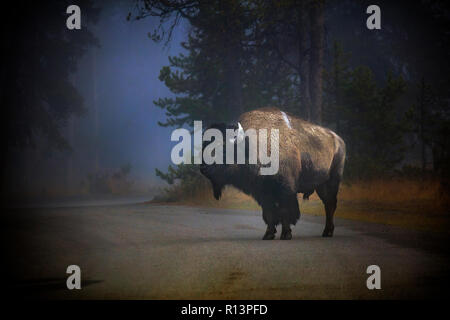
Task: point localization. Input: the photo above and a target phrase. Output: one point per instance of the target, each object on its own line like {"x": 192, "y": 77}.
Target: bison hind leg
{"x": 328, "y": 194}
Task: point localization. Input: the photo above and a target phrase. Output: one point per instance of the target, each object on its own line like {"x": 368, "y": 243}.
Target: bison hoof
{"x": 286, "y": 235}
{"x": 269, "y": 236}
{"x": 327, "y": 233}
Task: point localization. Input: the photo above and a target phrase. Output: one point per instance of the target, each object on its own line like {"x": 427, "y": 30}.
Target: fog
{"x": 118, "y": 82}
{"x": 115, "y": 145}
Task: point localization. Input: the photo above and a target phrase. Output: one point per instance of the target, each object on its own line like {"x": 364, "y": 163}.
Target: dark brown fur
{"x": 311, "y": 159}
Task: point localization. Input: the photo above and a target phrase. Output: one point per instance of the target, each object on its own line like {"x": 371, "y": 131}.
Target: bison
{"x": 311, "y": 158}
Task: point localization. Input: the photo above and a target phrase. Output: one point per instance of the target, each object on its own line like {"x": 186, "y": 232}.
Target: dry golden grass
{"x": 395, "y": 190}
{"x": 410, "y": 203}
{"x": 231, "y": 199}
{"x": 407, "y": 203}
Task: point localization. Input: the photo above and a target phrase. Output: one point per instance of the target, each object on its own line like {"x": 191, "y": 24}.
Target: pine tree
{"x": 225, "y": 71}
{"x": 336, "y": 81}
{"x": 373, "y": 134}
{"x": 430, "y": 121}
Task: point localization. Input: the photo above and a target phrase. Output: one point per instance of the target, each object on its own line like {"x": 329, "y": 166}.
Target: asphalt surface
{"x": 141, "y": 251}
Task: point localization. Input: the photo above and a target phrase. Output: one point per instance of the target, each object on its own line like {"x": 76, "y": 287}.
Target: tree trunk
{"x": 233, "y": 82}
{"x": 95, "y": 105}
{"x": 302, "y": 31}
{"x": 337, "y": 89}
{"x": 70, "y": 139}
{"x": 422, "y": 125}
{"x": 232, "y": 59}
{"x": 316, "y": 59}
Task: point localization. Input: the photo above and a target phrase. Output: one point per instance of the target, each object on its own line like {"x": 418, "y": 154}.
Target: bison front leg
{"x": 290, "y": 213}
{"x": 269, "y": 219}
{"x": 270, "y": 233}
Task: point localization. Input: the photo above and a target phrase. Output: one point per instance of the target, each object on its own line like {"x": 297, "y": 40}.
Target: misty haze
{"x": 355, "y": 100}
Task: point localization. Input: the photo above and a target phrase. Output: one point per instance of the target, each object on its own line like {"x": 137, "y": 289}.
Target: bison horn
{"x": 239, "y": 136}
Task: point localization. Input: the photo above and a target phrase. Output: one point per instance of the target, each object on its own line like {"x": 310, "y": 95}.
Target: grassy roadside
{"x": 410, "y": 204}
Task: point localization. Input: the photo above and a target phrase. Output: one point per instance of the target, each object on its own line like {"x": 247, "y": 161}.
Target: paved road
{"x": 146, "y": 251}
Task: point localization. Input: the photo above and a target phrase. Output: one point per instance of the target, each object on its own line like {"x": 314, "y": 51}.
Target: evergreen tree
{"x": 225, "y": 71}
{"x": 336, "y": 81}
{"x": 39, "y": 54}
{"x": 209, "y": 79}
{"x": 430, "y": 121}
{"x": 373, "y": 134}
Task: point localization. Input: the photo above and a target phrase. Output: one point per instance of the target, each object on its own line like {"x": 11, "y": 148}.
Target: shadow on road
{"x": 37, "y": 286}
{"x": 304, "y": 239}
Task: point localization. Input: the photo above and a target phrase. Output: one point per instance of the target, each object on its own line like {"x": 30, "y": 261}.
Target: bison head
{"x": 219, "y": 174}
